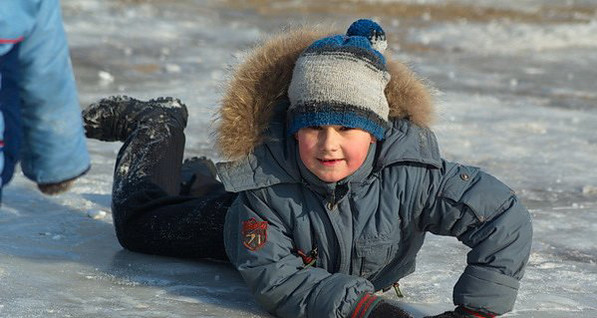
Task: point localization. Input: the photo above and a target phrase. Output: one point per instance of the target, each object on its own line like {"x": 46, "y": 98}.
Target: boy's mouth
{"x": 329, "y": 162}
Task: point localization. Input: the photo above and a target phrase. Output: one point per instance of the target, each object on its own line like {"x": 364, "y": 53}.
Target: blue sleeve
{"x": 275, "y": 275}
{"x": 54, "y": 147}
{"x": 485, "y": 215}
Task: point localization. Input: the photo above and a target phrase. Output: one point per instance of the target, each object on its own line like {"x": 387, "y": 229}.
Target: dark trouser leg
{"x": 149, "y": 214}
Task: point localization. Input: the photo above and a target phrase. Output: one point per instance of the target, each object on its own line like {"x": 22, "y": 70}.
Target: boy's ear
{"x": 373, "y": 139}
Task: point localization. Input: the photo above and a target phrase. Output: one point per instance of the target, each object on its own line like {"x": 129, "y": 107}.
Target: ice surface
{"x": 507, "y": 38}
{"x": 517, "y": 98}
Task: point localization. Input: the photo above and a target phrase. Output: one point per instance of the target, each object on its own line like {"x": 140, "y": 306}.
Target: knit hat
{"x": 340, "y": 80}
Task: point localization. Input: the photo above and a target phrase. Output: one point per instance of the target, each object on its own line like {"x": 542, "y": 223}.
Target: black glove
{"x": 387, "y": 310}
{"x": 463, "y": 312}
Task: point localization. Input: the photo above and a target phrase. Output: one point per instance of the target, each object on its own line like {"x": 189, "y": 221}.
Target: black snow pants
{"x": 152, "y": 213}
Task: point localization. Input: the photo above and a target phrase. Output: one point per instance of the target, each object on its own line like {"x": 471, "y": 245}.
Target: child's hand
{"x": 463, "y": 312}
{"x": 56, "y": 188}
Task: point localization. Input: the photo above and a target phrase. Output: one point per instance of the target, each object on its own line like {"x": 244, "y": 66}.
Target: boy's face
{"x": 333, "y": 152}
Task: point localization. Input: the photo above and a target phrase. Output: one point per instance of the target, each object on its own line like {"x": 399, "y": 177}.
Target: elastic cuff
{"x": 484, "y": 289}
{"x": 365, "y": 305}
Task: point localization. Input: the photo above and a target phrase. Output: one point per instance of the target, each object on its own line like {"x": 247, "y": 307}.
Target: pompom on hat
{"x": 340, "y": 80}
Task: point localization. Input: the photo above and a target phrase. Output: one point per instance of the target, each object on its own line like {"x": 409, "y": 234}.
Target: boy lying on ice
{"x": 331, "y": 183}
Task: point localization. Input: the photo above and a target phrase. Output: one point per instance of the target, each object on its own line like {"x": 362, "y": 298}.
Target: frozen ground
{"x": 516, "y": 96}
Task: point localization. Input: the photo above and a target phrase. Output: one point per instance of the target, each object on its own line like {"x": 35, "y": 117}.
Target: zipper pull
{"x": 308, "y": 260}
{"x": 399, "y": 293}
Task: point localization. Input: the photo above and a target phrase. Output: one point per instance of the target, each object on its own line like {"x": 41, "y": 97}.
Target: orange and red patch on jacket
{"x": 254, "y": 234}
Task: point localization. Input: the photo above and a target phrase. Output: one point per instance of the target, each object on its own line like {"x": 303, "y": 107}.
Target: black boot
{"x": 116, "y": 117}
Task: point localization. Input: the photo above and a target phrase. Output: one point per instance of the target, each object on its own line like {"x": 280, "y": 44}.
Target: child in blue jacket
{"x": 331, "y": 183}
{"x": 40, "y": 119}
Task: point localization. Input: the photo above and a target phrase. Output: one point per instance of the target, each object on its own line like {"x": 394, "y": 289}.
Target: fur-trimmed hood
{"x": 262, "y": 81}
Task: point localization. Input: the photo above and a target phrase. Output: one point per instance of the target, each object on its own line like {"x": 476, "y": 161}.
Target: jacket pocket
{"x": 482, "y": 193}
{"x": 373, "y": 254}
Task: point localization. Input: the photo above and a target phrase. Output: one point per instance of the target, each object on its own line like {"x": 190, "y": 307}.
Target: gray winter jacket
{"x": 367, "y": 228}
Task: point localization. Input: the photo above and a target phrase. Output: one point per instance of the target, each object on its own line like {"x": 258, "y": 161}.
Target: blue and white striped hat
{"x": 340, "y": 80}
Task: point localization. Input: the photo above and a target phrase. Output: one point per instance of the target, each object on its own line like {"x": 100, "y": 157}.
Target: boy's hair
{"x": 340, "y": 80}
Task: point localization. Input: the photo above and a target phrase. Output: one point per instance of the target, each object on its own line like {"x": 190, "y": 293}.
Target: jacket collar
{"x": 406, "y": 142}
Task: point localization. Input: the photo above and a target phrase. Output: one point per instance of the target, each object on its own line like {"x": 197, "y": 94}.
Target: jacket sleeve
{"x": 54, "y": 146}
{"x": 485, "y": 215}
{"x": 275, "y": 274}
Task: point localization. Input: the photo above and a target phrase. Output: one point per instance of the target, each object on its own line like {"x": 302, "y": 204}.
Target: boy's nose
{"x": 328, "y": 139}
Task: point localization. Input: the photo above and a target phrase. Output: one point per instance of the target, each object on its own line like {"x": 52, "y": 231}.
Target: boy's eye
{"x": 344, "y": 128}
{"x": 315, "y": 127}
